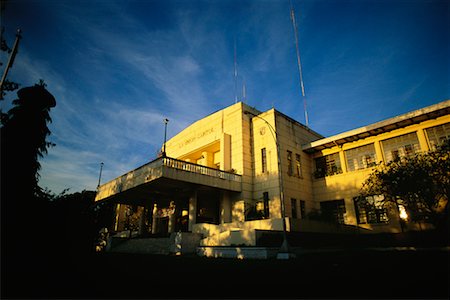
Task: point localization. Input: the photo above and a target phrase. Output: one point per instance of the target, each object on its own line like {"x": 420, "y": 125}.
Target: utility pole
{"x": 12, "y": 56}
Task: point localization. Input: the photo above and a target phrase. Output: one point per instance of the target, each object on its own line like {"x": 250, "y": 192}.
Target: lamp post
{"x": 283, "y": 253}
{"x": 100, "y": 175}
{"x": 165, "y": 136}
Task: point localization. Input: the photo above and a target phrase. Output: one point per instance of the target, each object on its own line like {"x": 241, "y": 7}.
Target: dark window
{"x": 327, "y": 165}
{"x": 333, "y": 211}
{"x": 290, "y": 166}
{"x": 298, "y": 165}
{"x": 370, "y": 210}
{"x": 294, "y": 208}
{"x": 263, "y": 160}
{"x": 302, "y": 209}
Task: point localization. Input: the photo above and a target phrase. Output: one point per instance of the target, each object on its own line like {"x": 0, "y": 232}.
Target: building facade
{"x": 232, "y": 175}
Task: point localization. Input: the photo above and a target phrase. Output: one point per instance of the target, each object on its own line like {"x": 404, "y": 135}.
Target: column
{"x": 172, "y": 217}
{"x": 422, "y": 140}
{"x": 343, "y": 160}
{"x": 378, "y": 151}
{"x": 154, "y": 219}
{"x": 192, "y": 210}
{"x": 225, "y": 152}
{"x": 225, "y": 208}
{"x": 142, "y": 230}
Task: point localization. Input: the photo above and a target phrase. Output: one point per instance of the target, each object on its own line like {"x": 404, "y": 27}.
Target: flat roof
{"x": 414, "y": 117}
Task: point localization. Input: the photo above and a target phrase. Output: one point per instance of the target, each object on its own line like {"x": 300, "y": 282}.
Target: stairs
{"x": 141, "y": 245}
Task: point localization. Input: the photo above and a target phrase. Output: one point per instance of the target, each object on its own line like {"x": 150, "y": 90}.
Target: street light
{"x": 165, "y": 136}
{"x": 283, "y": 253}
{"x": 100, "y": 175}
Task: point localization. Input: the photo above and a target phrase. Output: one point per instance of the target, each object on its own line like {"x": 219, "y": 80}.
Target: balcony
{"x": 167, "y": 173}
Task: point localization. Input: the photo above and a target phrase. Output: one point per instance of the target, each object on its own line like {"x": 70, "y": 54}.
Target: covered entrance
{"x": 169, "y": 195}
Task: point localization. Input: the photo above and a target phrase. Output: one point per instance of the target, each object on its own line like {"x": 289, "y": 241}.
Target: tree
{"x": 420, "y": 183}
{"x": 23, "y": 141}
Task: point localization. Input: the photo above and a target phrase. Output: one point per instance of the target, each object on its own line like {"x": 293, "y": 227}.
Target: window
{"x": 371, "y": 210}
{"x": 290, "y": 166}
{"x": 266, "y": 204}
{"x": 298, "y": 165}
{"x": 327, "y": 165}
{"x": 263, "y": 160}
{"x": 361, "y": 157}
{"x": 437, "y": 135}
{"x": 294, "y": 208}
{"x": 401, "y": 146}
{"x": 333, "y": 211}
{"x": 302, "y": 209}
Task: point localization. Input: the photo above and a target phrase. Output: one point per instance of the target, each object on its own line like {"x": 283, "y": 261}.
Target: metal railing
{"x": 154, "y": 168}
{"x": 199, "y": 169}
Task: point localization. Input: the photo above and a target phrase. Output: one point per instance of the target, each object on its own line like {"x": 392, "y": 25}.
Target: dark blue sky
{"x": 118, "y": 68}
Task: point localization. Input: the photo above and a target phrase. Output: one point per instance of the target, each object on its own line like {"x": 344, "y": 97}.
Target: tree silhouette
{"x": 23, "y": 141}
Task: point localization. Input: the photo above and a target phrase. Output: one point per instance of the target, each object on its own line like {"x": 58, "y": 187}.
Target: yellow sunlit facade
{"x": 222, "y": 177}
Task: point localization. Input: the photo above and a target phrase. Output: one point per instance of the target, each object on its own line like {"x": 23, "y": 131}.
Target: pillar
{"x": 141, "y": 229}
{"x": 172, "y": 218}
{"x": 378, "y": 151}
{"x": 422, "y": 141}
{"x": 154, "y": 219}
{"x": 192, "y": 210}
{"x": 225, "y": 208}
{"x": 225, "y": 152}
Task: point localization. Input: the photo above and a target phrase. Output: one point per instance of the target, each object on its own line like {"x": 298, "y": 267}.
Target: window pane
{"x": 401, "y": 146}
{"x": 298, "y": 165}
{"x": 263, "y": 160}
{"x": 361, "y": 157}
{"x": 328, "y": 165}
{"x": 438, "y": 135}
{"x": 294, "y": 208}
{"x": 289, "y": 159}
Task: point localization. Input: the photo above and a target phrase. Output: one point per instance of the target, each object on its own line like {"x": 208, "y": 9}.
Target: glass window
{"x": 327, "y": 165}
{"x": 298, "y": 165}
{"x": 294, "y": 208}
{"x": 290, "y": 166}
{"x": 333, "y": 211}
{"x": 302, "y": 209}
{"x": 263, "y": 160}
{"x": 437, "y": 135}
{"x": 371, "y": 210}
{"x": 361, "y": 157}
{"x": 401, "y": 146}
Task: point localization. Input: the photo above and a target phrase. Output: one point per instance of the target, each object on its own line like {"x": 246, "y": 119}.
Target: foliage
{"x": 420, "y": 183}
{"x": 24, "y": 132}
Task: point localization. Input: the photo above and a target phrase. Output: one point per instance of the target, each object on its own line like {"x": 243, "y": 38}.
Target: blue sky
{"x": 118, "y": 68}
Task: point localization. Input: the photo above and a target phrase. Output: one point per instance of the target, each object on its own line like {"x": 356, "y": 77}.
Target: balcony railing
{"x": 154, "y": 170}
{"x": 199, "y": 169}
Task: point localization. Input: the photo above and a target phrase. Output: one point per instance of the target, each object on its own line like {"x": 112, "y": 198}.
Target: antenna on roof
{"x": 243, "y": 90}
{"x": 235, "y": 73}
{"x": 294, "y": 24}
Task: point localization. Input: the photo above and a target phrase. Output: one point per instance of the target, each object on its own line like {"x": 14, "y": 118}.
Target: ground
{"x": 344, "y": 274}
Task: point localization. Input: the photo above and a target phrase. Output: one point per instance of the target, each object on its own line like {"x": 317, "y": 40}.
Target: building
{"x": 222, "y": 177}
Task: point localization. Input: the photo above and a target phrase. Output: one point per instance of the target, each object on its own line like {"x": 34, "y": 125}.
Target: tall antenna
{"x": 294, "y": 24}
{"x": 235, "y": 73}
{"x": 243, "y": 90}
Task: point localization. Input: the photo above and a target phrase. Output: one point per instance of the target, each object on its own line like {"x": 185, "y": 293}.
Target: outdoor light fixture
{"x": 283, "y": 253}
{"x": 165, "y": 136}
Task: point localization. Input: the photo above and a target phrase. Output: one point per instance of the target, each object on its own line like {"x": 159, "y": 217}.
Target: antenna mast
{"x": 294, "y": 24}
{"x": 235, "y": 74}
